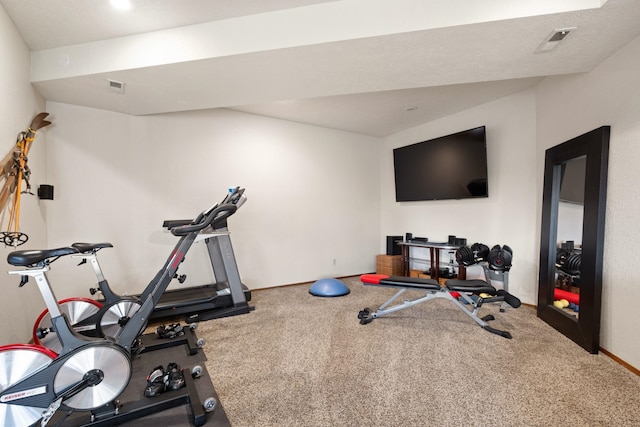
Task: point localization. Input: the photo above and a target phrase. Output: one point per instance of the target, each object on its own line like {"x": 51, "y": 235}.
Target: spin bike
{"x": 87, "y": 316}
{"x": 89, "y": 373}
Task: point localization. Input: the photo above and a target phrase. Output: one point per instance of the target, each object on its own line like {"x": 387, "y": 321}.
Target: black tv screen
{"x": 449, "y": 167}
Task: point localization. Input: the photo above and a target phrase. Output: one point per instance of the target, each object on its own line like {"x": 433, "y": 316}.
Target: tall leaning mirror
{"x": 572, "y": 237}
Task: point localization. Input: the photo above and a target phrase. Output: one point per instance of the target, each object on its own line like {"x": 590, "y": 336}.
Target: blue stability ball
{"x": 329, "y": 288}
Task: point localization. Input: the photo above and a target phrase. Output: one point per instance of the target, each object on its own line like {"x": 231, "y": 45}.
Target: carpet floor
{"x": 300, "y": 360}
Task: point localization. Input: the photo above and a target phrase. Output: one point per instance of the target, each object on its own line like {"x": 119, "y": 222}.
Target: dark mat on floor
{"x": 180, "y": 415}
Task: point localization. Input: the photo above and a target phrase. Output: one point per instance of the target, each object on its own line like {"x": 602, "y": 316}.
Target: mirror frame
{"x": 584, "y": 330}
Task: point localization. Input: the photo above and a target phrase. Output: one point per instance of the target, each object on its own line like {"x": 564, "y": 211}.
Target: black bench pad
{"x": 400, "y": 281}
{"x": 475, "y": 286}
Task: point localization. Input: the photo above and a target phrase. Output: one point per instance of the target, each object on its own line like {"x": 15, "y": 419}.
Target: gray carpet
{"x": 300, "y": 360}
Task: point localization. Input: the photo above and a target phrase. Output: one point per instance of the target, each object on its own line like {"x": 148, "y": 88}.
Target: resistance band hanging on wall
{"x": 14, "y": 170}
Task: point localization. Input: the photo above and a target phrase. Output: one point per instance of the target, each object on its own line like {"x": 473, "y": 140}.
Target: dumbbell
{"x": 480, "y": 251}
{"x": 500, "y": 258}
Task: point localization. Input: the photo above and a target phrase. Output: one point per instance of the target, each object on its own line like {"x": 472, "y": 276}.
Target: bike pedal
{"x": 174, "y": 378}
{"x": 170, "y": 331}
{"x": 155, "y": 382}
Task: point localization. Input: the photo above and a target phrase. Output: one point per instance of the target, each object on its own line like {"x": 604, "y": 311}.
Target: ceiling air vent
{"x": 116, "y": 86}
{"x": 553, "y": 39}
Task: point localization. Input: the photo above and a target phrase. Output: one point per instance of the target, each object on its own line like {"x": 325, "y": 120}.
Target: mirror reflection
{"x": 569, "y": 236}
{"x": 572, "y": 235}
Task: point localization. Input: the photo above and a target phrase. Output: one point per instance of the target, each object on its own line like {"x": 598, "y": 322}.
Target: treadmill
{"x": 227, "y": 297}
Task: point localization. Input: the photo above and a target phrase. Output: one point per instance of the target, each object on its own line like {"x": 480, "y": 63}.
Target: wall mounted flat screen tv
{"x": 449, "y": 167}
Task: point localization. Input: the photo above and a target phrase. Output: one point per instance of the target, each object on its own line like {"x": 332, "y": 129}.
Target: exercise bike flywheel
{"x": 76, "y": 309}
{"x": 110, "y": 364}
{"x": 117, "y": 315}
{"x": 16, "y": 363}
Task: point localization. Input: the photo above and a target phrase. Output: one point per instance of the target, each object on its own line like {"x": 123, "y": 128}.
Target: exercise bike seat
{"x": 475, "y": 286}
{"x": 28, "y": 258}
{"x": 90, "y": 247}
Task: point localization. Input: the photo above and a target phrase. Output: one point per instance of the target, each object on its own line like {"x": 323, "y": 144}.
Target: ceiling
{"x": 373, "y": 67}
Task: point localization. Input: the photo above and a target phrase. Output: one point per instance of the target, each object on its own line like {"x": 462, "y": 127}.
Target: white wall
{"x": 507, "y": 216}
{"x": 312, "y": 194}
{"x": 570, "y": 218}
{"x": 570, "y": 106}
{"x": 18, "y": 105}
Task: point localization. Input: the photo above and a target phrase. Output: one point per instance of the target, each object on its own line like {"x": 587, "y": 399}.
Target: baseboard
{"x": 608, "y": 353}
{"x": 621, "y": 362}
{"x": 306, "y": 283}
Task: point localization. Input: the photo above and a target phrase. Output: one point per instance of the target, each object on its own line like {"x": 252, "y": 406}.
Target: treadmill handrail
{"x": 216, "y": 215}
{"x": 213, "y": 216}
{"x": 173, "y": 223}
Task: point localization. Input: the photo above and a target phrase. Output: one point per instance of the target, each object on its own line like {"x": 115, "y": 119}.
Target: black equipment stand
{"x": 180, "y": 407}
{"x": 152, "y": 342}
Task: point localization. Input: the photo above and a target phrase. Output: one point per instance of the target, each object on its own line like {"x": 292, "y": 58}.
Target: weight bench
{"x": 458, "y": 292}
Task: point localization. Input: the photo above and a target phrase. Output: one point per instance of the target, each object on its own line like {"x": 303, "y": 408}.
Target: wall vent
{"x": 552, "y": 40}
{"x": 116, "y": 86}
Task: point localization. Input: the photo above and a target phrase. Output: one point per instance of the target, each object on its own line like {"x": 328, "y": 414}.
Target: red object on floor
{"x": 559, "y": 294}
{"x": 373, "y": 279}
